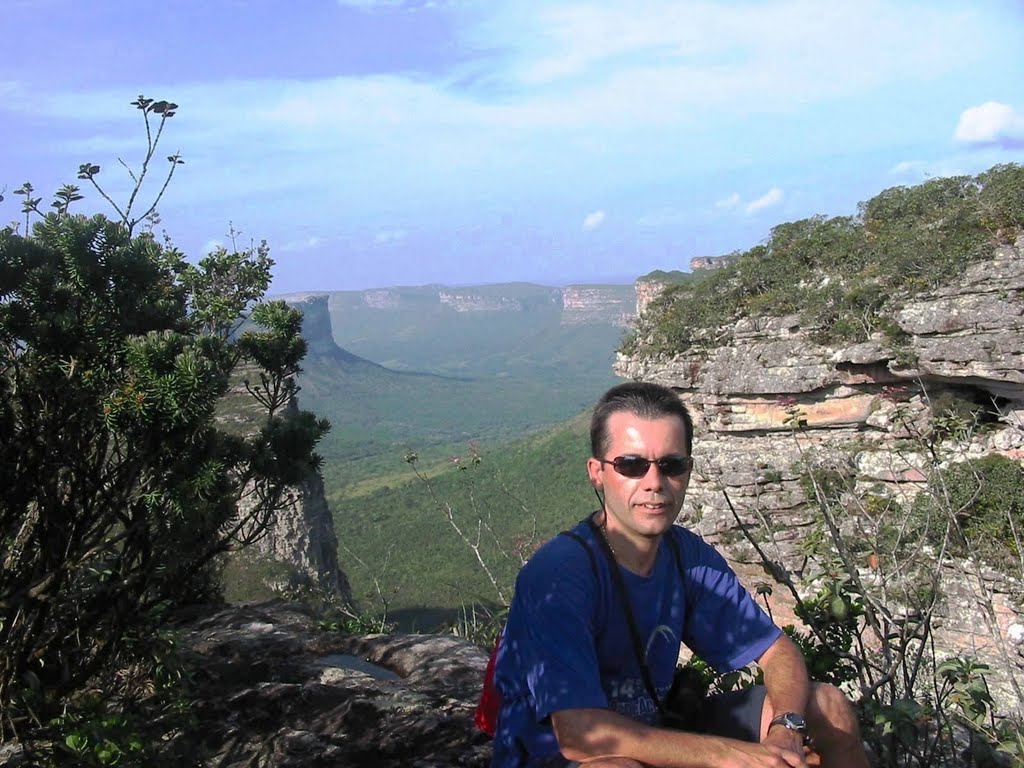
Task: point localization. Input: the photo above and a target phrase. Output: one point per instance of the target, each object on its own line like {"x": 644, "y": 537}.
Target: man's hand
{"x": 784, "y": 740}
{"x": 744, "y": 754}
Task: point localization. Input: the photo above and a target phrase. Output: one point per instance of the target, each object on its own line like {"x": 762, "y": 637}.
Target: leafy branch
{"x": 89, "y": 171}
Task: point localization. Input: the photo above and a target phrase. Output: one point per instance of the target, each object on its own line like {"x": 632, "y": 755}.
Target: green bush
{"x": 986, "y": 497}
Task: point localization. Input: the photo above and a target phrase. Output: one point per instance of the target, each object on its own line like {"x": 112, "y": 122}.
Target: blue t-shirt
{"x": 567, "y": 643}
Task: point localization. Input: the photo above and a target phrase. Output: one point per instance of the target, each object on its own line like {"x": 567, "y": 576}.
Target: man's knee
{"x": 830, "y": 712}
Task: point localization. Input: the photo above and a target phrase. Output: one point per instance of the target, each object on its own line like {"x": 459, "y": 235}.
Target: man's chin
{"x": 654, "y": 525}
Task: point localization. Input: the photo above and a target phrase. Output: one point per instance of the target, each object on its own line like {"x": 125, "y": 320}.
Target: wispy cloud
{"x": 652, "y": 52}
{"x": 770, "y": 198}
{"x": 730, "y": 202}
{"x": 517, "y": 107}
{"x": 593, "y": 220}
{"x": 990, "y": 123}
{"x": 304, "y": 244}
{"x": 735, "y": 202}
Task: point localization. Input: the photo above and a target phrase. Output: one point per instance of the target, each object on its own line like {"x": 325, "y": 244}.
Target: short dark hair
{"x": 644, "y": 399}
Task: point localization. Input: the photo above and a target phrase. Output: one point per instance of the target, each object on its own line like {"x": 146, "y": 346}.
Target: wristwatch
{"x": 792, "y": 721}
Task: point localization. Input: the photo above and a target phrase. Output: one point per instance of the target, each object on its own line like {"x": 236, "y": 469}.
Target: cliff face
{"x": 300, "y": 547}
{"x": 303, "y": 541}
{"x": 646, "y": 292}
{"x": 582, "y": 304}
{"x": 964, "y": 342}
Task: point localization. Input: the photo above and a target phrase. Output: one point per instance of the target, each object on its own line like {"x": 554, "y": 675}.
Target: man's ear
{"x": 595, "y": 473}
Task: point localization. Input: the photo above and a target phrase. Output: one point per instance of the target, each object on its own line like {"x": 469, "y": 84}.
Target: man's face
{"x": 648, "y": 505}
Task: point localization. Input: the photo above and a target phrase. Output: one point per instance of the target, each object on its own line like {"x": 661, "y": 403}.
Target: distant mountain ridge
{"x": 578, "y": 303}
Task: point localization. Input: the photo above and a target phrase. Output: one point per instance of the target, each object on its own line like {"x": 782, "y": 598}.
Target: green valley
{"x": 486, "y": 386}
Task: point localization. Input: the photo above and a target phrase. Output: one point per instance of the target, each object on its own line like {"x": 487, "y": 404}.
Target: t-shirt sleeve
{"x": 552, "y": 628}
{"x": 724, "y": 626}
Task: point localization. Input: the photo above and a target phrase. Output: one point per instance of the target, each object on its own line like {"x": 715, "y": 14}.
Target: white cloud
{"x": 593, "y": 220}
{"x": 990, "y": 122}
{"x": 303, "y": 245}
{"x": 212, "y": 245}
{"x": 730, "y": 202}
{"x": 772, "y": 197}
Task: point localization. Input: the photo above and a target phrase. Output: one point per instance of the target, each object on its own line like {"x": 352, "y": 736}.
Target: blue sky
{"x": 383, "y": 142}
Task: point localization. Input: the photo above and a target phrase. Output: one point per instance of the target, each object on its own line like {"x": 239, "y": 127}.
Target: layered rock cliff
{"x": 963, "y": 343}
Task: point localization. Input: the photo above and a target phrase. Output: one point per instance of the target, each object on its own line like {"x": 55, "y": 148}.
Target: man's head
{"x": 641, "y": 437}
{"x": 646, "y": 400}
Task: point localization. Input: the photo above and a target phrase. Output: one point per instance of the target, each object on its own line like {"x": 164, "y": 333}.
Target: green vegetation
{"x": 451, "y": 379}
{"x": 986, "y": 498}
{"x": 121, "y": 492}
{"x": 673, "y": 277}
{"x": 516, "y": 494}
{"x": 846, "y": 276}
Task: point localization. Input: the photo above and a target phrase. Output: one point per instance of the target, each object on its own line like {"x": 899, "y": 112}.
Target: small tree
{"x": 121, "y": 490}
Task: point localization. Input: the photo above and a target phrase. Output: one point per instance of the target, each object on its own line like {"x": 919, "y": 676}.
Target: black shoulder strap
{"x": 586, "y": 548}
{"x": 627, "y": 608}
{"x": 620, "y": 588}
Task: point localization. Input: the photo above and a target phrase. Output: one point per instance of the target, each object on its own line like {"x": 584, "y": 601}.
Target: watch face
{"x": 794, "y": 721}
{"x": 791, "y": 720}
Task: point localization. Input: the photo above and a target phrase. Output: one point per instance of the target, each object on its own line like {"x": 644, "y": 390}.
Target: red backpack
{"x": 486, "y": 716}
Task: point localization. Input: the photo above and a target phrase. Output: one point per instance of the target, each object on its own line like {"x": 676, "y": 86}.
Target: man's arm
{"x": 585, "y": 734}
{"x": 787, "y": 687}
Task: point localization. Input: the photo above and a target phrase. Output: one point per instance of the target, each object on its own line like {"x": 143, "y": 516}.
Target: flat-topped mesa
{"x": 961, "y": 346}
{"x": 316, "y": 320}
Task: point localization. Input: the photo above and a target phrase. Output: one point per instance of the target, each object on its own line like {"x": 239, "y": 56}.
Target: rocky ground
{"x": 269, "y": 688}
{"x": 277, "y": 691}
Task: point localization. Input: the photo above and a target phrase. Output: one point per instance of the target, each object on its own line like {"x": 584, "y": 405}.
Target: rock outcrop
{"x": 585, "y": 304}
{"x": 965, "y": 342}
{"x": 302, "y": 539}
{"x": 272, "y": 689}
{"x": 647, "y": 290}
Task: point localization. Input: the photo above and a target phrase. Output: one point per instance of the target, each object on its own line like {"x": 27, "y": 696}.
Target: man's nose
{"x": 653, "y": 478}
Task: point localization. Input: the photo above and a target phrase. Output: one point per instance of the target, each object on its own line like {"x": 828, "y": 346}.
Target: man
{"x": 574, "y": 688}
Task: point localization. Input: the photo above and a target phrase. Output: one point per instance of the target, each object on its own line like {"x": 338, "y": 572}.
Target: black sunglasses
{"x": 637, "y": 466}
